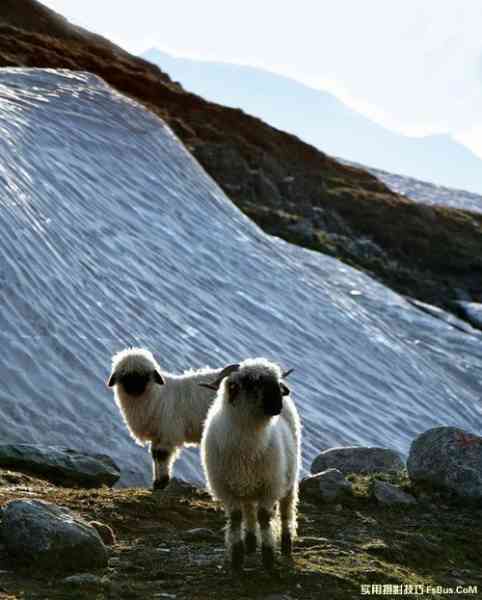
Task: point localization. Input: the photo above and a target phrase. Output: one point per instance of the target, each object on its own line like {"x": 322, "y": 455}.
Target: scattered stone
{"x": 106, "y": 533}
{"x": 200, "y": 534}
{"x": 354, "y": 459}
{"x": 61, "y": 466}
{"x": 448, "y": 458}
{"x": 84, "y": 580}
{"x": 179, "y": 487}
{"x": 389, "y": 494}
{"x": 44, "y": 535}
{"x": 472, "y": 311}
{"x": 329, "y": 486}
{"x": 264, "y": 186}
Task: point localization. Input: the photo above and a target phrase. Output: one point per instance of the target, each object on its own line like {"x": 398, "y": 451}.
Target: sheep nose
{"x": 135, "y": 388}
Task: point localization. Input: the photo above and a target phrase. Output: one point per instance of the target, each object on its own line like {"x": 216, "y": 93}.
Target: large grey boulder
{"x": 328, "y": 486}
{"x": 354, "y": 459}
{"x": 61, "y": 466}
{"x": 448, "y": 458}
{"x": 43, "y": 535}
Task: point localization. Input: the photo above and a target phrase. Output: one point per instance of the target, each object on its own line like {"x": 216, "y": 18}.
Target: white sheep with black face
{"x": 164, "y": 409}
{"x": 250, "y": 452}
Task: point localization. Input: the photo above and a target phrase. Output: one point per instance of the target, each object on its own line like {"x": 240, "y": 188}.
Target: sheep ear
{"x": 214, "y": 385}
{"x": 158, "y": 378}
{"x": 285, "y": 390}
{"x": 112, "y": 380}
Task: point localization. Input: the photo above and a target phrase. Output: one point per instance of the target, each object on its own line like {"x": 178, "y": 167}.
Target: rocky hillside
{"x": 288, "y": 187}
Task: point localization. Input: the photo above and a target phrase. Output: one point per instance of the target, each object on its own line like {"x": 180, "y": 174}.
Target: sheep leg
{"x": 251, "y": 524}
{"x": 234, "y": 539}
{"x": 288, "y": 521}
{"x": 162, "y": 459}
{"x": 265, "y": 518}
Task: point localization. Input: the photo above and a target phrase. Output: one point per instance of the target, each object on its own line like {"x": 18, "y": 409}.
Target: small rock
{"x": 472, "y": 311}
{"x": 389, "y": 494}
{"x": 44, "y": 535}
{"x": 448, "y": 458}
{"x": 329, "y": 486}
{"x": 84, "y": 580}
{"x": 61, "y": 466}
{"x": 354, "y": 459}
{"x": 179, "y": 487}
{"x": 200, "y": 534}
{"x": 106, "y": 533}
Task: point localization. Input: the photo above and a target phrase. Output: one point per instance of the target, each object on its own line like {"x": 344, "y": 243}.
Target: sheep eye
{"x": 233, "y": 387}
{"x": 285, "y": 390}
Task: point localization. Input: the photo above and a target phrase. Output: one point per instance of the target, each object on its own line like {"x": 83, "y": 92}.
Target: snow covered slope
{"x": 112, "y": 235}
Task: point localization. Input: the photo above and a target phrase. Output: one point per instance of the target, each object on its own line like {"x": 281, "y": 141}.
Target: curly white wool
{"x": 250, "y": 451}
{"x": 170, "y": 411}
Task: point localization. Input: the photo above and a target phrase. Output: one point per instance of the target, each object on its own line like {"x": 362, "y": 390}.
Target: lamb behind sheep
{"x": 164, "y": 409}
{"x": 251, "y": 457}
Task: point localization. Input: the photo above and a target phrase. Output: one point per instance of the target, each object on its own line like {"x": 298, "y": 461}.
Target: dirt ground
{"x": 344, "y": 551}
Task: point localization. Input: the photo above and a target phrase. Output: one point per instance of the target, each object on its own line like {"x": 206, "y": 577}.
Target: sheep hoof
{"x": 160, "y": 484}
{"x": 237, "y": 556}
{"x": 286, "y": 544}
{"x": 268, "y": 557}
{"x": 250, "y": 542}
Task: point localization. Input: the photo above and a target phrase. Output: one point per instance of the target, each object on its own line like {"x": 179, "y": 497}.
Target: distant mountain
{"x": 324, "y": 121}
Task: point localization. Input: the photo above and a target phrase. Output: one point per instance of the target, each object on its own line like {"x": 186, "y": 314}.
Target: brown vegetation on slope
{"x": 285, "y": 185}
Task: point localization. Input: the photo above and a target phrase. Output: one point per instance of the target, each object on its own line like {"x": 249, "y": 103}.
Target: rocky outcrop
{"x": 353, "y": 459}
{"x": 42, "y": 535}
{"x": 61, "y": 466}
{"x": 448, "y": 458}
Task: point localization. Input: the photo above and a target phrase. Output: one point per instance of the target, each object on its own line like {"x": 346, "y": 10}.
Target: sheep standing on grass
{"x": 250, "y": 452}
{"x": 161, "y": 408}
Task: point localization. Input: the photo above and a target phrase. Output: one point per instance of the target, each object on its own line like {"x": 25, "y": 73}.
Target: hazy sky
{"x": 414, "y": 66}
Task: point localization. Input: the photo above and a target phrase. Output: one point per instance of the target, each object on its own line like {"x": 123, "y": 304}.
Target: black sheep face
{"x": 135, "y": 383}
{"x": 262, "y": 392}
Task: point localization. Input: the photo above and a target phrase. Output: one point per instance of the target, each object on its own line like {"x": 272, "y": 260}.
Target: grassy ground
{"x": 340, "y": 549}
